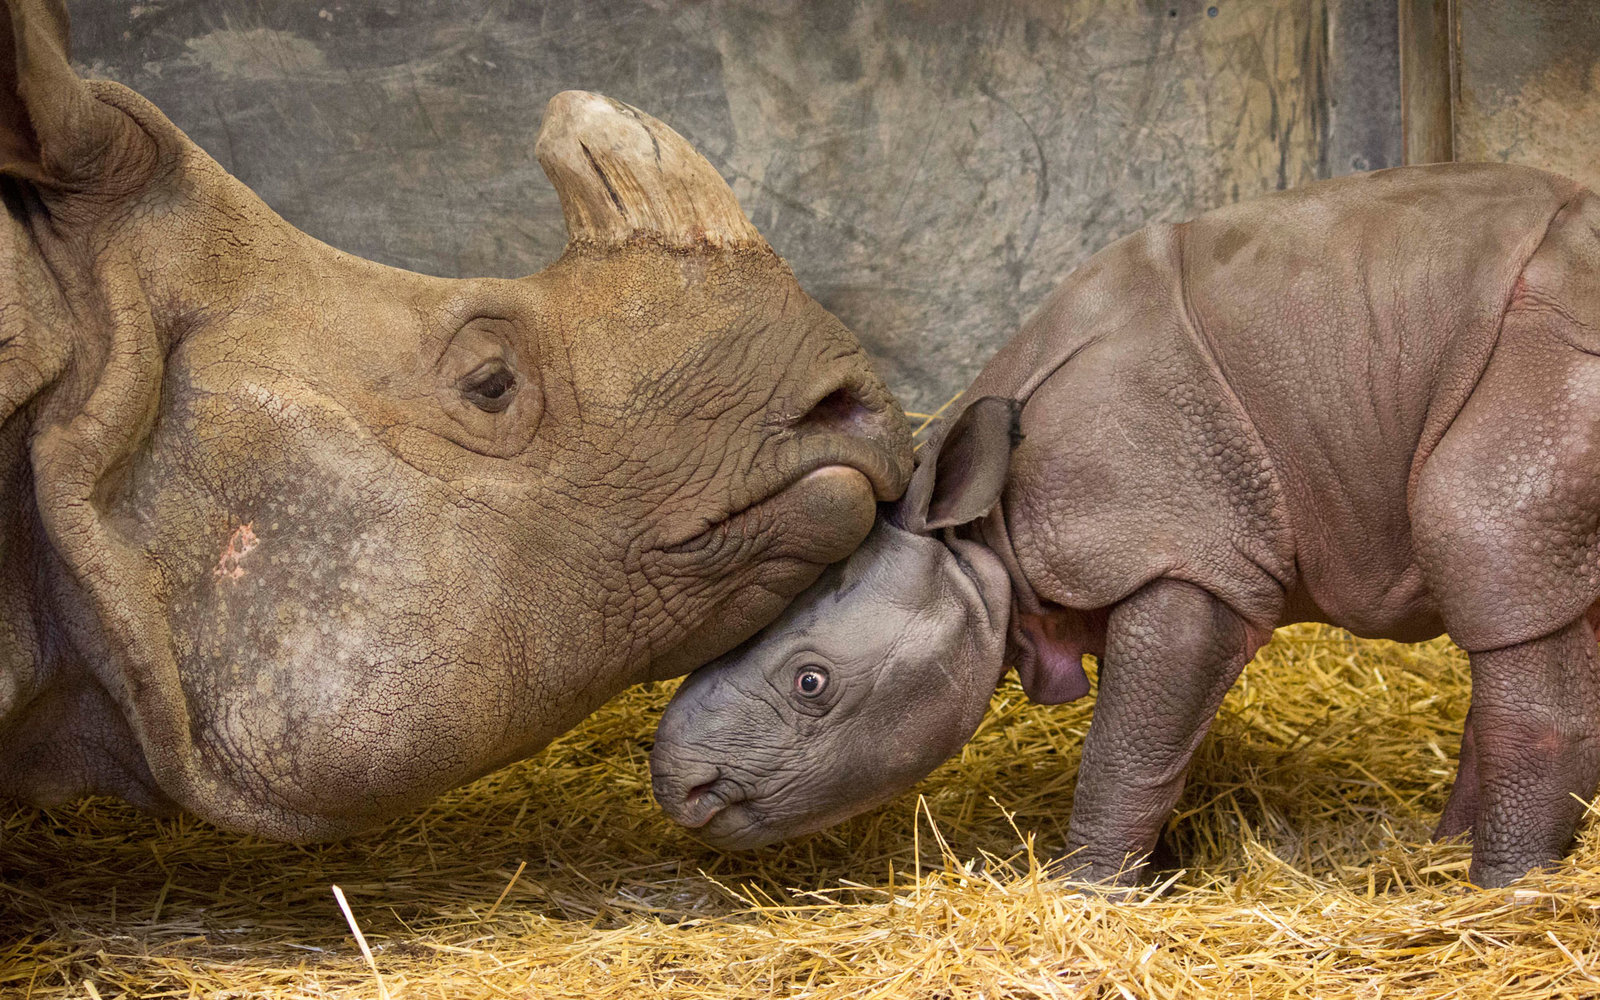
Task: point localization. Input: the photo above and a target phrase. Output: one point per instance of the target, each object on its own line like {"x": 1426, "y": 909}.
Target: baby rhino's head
{"x": 875, "y": 675}
{"x": 872, "y": 678}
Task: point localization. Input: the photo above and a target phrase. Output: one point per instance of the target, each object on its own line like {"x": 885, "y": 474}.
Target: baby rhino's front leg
{"x": 1172, "y": 652}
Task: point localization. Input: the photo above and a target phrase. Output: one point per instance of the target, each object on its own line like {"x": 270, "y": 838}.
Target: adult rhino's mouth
{"x": 820, "y": 503}
{"x": 754, "y": 561}
{"x": 744, "y": 566}
{"x": 852, "y": 471}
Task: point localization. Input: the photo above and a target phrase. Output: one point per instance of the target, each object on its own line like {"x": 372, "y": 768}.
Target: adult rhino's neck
{"x": 20, "y": 660}
{"x": 35, "y": 331}
{"x": 61, "y": 735}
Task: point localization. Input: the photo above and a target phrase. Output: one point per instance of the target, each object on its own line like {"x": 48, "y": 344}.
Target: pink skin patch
{"x": 240, "y": 544}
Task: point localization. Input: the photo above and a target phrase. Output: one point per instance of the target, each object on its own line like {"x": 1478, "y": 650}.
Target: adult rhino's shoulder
{"x": 35, "y": 323}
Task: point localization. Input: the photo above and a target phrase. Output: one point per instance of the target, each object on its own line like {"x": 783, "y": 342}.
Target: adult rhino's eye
{"x": 490, "y": 387}
{"x": 810, "y": 682}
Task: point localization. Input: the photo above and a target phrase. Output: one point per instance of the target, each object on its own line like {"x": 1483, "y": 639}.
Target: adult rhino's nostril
{"x": 842, "y": 410}
{"x": 855, "y": 422}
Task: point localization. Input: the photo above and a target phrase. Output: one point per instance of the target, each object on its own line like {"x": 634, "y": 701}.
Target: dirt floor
{"x": 1303, "y": 835}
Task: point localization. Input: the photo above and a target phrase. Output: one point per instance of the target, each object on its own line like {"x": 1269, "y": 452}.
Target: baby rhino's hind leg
{"x": 1536, "y": 734}
{"x": 1505, "y": 516}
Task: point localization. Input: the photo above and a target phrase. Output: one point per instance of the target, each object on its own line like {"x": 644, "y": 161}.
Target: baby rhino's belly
{"x": 1094, "y": 569}
{"x": 1355, "y": 560}
{"x": 1086, "y": 540}
{"x": 1387, "y": 606}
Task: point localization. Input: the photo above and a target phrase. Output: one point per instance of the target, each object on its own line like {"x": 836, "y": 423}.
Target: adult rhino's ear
{"x": 961, "y": 474}
{"x": 622, "y": 175}
{"x": 53, "y": 132}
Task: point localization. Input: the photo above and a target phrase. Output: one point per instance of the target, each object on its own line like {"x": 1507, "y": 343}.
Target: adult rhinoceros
{"x": 298, "y": 541}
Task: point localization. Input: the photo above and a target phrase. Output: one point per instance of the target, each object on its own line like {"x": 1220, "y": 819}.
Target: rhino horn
{"x": 623, "y": 175}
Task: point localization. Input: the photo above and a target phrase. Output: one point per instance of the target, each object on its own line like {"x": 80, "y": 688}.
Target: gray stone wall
{"x": 1528, "y": 84}
{"x": 931, "y": 169}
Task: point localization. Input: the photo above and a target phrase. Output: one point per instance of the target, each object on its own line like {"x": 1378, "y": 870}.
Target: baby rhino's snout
{"x": 690, "y": 796}
{"x": 688, "y": 787}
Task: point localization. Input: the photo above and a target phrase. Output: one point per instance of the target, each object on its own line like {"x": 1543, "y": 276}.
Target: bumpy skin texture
{"x": 1371, "y": 402}
{"x": 299, "y": 541}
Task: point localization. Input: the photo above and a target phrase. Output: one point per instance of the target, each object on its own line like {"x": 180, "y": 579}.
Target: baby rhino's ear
{"x": 960, "y": 475}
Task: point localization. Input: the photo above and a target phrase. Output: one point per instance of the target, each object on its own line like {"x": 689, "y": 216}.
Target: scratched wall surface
{"x": 931, "y": 169}
{"x": 1529, "y": 89}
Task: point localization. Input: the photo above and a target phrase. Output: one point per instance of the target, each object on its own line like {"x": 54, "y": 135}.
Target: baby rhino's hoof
{"x": 1490, "y": 875}
{"x": 1119, "y": 879}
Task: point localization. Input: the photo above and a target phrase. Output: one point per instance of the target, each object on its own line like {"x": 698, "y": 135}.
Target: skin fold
{"x": 299, "y": 541}
{"x": 1373, "y": 402}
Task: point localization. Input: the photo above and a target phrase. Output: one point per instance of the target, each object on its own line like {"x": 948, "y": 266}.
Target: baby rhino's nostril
{"x": 692, "y": 805}
{"x": 700, "y": 789}
{"x": 682, "y": 786}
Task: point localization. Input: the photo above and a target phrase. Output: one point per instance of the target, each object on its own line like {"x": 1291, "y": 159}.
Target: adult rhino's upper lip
{"x": 886, "y": 471}
{"x": 876, "y": 464}
{"x": 834, "y": 503}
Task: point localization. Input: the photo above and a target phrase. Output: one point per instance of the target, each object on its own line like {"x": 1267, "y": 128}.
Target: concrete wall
{"x": 931, "y": 169}
{"x": 1528, "y": 84}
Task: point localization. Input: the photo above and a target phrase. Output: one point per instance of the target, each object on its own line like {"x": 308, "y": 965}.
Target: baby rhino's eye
{"x": 810, "y": 681}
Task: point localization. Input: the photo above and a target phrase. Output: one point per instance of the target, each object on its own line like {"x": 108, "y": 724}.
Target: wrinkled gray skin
{"x": 1373, "y": 402}
{"x": 296, "y": 541}
{"x": 910, "y": 632}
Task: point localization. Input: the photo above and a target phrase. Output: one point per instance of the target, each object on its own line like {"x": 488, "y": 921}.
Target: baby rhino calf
{"x": 1373, "y": 402}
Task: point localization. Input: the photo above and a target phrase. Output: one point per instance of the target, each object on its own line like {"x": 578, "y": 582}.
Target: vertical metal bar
{"x": 1363, "y": 86}
{"x": 1427, "y": 80}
